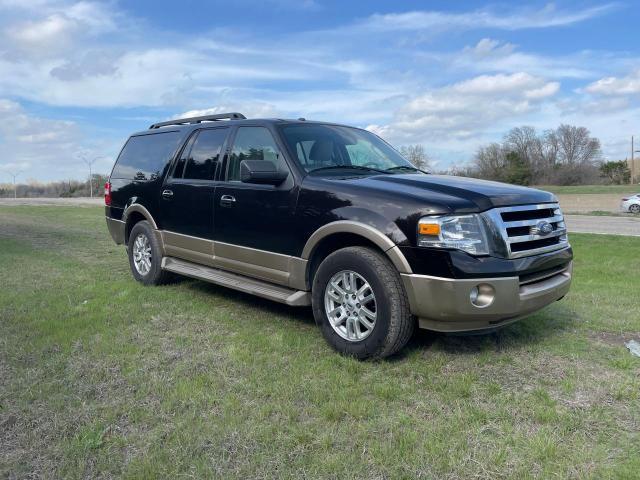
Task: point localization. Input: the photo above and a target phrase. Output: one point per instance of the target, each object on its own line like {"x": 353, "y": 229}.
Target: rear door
{"x": 188, "y": 193}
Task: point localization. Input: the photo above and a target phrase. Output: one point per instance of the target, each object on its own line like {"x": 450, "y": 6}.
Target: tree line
{"x": 63, "y": 188}
{"x": 566, "y": 155}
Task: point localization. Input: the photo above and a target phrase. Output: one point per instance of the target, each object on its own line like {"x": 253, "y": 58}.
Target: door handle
{"x": 227, "y": 200}
{"x": 167, "y": 193}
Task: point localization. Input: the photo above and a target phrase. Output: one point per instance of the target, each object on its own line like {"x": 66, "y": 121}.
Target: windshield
{"x": 327, "y": 149}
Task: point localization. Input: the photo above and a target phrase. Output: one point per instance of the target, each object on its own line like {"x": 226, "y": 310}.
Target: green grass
{"x": 102, "y": 377}
{"x": 577, "y": 189}
{"x": 604, "y": 213}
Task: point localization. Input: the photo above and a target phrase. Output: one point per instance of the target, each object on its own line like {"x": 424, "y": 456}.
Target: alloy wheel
{"x": 142, "y": 254}
{"x": 350, "y": 305}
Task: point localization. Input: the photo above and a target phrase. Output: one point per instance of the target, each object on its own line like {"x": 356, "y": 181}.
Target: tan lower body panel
{"x": 272, "y": 267}
{"x": 116, "y": 229}
{"x": 194, "y": 249}
{"x": 445, "y": 304}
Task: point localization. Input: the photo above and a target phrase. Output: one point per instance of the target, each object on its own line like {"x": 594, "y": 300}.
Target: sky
{"x": 77, "y": 77}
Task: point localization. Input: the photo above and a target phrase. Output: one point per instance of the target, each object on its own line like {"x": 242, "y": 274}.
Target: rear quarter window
{"x": 144, "y": 156}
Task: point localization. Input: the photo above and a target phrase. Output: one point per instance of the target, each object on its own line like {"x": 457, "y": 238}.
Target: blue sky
{"x": 77, "y": 77}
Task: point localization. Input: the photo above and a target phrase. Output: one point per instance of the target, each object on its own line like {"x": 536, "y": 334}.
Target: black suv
{"x": 320, "y": 214}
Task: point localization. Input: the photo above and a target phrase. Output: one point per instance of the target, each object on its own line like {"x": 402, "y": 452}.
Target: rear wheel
{"x": 360, "y": 304}
{"x": 634, "y": 208}
{"x": 145, "y": 255}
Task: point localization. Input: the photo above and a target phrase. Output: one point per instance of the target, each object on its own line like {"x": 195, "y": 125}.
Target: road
{"x": 99, "y": 200}
{"x": 575, "y": 223}
{"x": 603, "y": 224}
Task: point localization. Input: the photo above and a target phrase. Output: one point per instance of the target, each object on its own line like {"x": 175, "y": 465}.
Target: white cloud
{"x": 40, "y": 147}
{"x": 467, "y": 108}
{"x": 517, "y": 19}
{"x": 493, "y": 55}
{"x": 627, "y": 85}
{"x": 150, "y": 77}
{"x": 55, "y": 28}
{"x": 248, "y": 109}
{"x": 488, "y": 47}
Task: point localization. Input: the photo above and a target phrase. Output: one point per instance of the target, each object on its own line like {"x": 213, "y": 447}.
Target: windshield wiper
{"x": 405, "y": 167}
{"x": 350, "y": 167}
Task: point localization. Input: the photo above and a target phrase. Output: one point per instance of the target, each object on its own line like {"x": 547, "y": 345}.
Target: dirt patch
{"x": 614, "y": 339}
{"x": 589, "y": 202}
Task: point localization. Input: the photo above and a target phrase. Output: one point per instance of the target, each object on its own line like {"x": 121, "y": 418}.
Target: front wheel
{"x": 360, "y": 304}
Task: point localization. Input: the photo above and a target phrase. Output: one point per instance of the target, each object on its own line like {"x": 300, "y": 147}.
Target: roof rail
{"x": 204, "y": 118}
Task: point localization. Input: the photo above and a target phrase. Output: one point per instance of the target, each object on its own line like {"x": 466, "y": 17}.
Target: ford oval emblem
{"x": 543, "y": 228}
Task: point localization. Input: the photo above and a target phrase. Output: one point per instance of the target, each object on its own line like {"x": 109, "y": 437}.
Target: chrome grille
{"x": 530, "y": 229}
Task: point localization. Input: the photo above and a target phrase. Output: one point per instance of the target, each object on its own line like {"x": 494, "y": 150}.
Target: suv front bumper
{"x": 445, "y": 304}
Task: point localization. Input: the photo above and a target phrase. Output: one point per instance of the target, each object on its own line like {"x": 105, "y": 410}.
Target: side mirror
{"x": 261, "y": 172}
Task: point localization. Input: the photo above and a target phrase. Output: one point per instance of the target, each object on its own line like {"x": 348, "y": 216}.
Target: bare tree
{"x": 550, "y": 146}
{"x": 576, "y": 146}
{"x": 490, "y": 161}
{"x": 567, "y": 155}
{"x": 524, "y": 141}
{"x": 416, "y": 155}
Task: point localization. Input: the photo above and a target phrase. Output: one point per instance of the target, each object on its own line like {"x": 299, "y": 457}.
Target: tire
{"x": 150, "y": 272}
{"x": 393, "y": 323}
{"x": 634, "y": 208}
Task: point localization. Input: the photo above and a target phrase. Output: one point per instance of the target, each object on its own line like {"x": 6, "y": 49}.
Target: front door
{"x": 254, "y": 227}
{"x": 188, "y": 194}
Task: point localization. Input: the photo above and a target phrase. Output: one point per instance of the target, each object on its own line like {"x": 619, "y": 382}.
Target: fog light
{"x": 482, "y": 295}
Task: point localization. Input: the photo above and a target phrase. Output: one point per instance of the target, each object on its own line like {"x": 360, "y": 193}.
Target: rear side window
{"x": 205, "y": 154}
{"x": 144, "y": 156}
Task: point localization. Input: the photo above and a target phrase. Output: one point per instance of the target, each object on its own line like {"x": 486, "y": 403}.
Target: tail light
{"x": 625, "y": 199}
{"x": 107, "y": 193}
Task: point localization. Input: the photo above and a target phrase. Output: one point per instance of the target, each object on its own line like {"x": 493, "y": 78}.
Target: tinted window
{"x": 144, "y": 156}
{"x": 253, "y": 143}
{"x": 178, "y": 169}
{"x": 205, "y": 154}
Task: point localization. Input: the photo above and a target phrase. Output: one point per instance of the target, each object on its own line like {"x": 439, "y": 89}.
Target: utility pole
{"x": 633, "y": 162}
{"x": 15, "y": 188}
{"x": 632, "y": 173}
{"x": 89, "y": 164}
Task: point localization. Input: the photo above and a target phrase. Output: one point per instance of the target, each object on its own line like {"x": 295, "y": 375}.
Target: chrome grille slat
{"x": 532, "y": 222}
{"x": 516, "y": 245}
{"x": 529, "y": 238}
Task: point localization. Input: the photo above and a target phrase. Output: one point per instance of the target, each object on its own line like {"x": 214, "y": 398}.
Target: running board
{"x": 277, "y": 293}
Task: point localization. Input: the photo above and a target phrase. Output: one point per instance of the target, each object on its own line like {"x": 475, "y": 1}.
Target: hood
{"x": 462, "y": 191}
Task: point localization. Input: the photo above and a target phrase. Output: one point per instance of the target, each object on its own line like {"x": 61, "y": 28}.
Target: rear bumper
{"x": 116, "y": 229}
{"x": 444, "y": 304}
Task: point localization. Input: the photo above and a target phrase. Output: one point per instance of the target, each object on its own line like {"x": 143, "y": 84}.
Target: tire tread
{"x": 401, "y": 323}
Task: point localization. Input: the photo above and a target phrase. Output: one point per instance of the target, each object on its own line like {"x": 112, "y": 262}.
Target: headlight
{"x": 462, "y": 232}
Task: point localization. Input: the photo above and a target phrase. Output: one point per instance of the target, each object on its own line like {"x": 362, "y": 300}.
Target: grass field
{"x": 578, "y": 189}
{"x": 102, "y": 377}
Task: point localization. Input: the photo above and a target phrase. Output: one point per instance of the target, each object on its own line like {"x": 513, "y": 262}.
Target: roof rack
{"x": 204, "y": 118}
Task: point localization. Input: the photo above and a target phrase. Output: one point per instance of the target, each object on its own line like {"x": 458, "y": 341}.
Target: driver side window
{"x": 253, "y": 143}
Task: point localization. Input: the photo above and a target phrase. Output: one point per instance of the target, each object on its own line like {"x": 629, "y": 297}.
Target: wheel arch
{"x": 133, "y": 214}
{"x": 346, "y": 233}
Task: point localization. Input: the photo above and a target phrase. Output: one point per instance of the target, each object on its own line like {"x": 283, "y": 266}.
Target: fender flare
{"x": 362, "y": 229}
{"x": 136, "y": 207}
